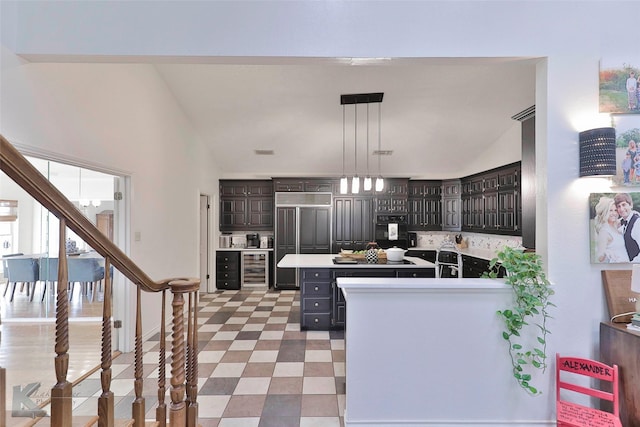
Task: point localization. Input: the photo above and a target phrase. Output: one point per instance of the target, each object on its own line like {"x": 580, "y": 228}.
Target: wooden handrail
{"x": 182, "y": 412}
{"x": 33, "y": 182}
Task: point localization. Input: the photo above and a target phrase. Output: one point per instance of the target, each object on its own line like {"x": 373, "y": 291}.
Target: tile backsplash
{"x": 490, "y": 242}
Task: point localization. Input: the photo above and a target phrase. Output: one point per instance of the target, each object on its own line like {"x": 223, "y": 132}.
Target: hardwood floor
{"x": 27, "y": 340}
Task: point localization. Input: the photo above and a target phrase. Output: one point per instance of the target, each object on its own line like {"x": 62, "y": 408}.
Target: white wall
{"x": 122, "y": 117}
{"x": 101, "y": 112}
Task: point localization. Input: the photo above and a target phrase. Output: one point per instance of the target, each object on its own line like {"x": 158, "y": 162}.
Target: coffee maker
{"x": 253, "y": 240}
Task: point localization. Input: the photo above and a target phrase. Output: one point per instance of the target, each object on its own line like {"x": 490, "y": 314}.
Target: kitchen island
{"x": 322, "y": 303}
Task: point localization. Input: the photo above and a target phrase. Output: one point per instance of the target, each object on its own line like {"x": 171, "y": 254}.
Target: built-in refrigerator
{"x": 303, "y": 226}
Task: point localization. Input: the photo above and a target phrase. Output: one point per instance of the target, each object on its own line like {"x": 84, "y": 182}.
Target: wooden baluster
{"x": 105, "y": 401}
{"x": 61, "y": 393}
{"x": 177, "y": 412}
{"x": 192, "y": 363}
{"x": 161, "y": 410}
{"x": 138, "y": 410}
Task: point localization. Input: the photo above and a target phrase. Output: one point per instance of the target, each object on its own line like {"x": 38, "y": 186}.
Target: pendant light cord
{"x": 379, "y": 137}
{"x": 343, "y": 143}
{"x": 367, "y": 140}
{"x": 355, "y": 143}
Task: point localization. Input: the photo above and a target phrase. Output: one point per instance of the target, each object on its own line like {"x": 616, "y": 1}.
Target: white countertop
{"x": 326, "y": 261}
{"x": 487, "y": 254}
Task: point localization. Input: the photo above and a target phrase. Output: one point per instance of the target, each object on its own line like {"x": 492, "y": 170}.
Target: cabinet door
{"x": 232, "y": 213}
{"x": 432, "y": 217}
{"x": 342, "y": 215}
{"x": 452, "y": 218}
{"x": 490, "y": 222}
{"x": 315, "y": 230}
{"x": 260, "y": 188}
{"x": 288, "y": 185}
{"x": 260, "y": 213}
{"x": 362, "y": 225}
{"x": 415, "y": 213}
{"x": 285, "y": 244}
{"x": 319, "y": 185}
{"x": 233, "y": 188}
{"x": 507, "y": 211}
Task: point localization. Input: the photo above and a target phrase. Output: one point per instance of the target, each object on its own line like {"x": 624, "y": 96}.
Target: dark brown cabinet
{"x": 491, "y": 201}
{"x": 620, "y": 346}
{"x": 393, "y": 199}
{"x": 451, "y": 205}
{"x": 228, "y": 270}
{"x": 424, "y": 205}
{"x": 353, "y": 219}
{"x": 326, "y": 185}
{"x": 246, "y": 205}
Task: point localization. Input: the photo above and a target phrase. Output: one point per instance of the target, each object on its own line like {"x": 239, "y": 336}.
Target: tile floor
{"x": 256, "y": 368}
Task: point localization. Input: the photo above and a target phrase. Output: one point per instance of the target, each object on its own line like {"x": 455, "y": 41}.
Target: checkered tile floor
{"x": 256, "y": 368}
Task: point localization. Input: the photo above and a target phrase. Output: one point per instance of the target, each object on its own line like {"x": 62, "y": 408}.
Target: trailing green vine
{"x": 532, "y": 293}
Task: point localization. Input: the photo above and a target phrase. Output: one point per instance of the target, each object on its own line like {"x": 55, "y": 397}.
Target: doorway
{"x": 204, "y": 243}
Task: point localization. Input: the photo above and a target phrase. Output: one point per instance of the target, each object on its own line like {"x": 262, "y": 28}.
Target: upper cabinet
{"x": 304, "y": 184}
{"x": 491, "y": 201}
{"x": 393, "y": 199}
{"x": 246, "y": 205}
{"x": 424, "y": 211}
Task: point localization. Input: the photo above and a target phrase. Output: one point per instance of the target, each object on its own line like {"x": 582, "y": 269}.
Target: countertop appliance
{"x": 302, "y": 226}
{"x": 225, "y": 241}
{"x": 392, "y": 230}
{"x": 253, "y": 240}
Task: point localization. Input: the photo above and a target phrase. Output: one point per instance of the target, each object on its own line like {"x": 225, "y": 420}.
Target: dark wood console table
{"x": 620, "y": 346}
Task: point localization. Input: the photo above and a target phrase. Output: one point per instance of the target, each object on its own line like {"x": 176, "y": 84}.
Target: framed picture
{"x": 627, "y": 150}
{"x": 619, "y": 85}
{"x": 614, "y": 225}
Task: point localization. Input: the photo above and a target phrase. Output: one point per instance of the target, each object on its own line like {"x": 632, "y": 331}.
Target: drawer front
{"x": 430, "y": 272}
{"x": 316, "y": 305}
{"x": 316, "y": 289}
{"x": 226, "y": 257}
{"x": 319, "y": 321}
{"x": 227, "y": 284}
{"x": 227, "y": 275}
{"x": 323, "y": 273}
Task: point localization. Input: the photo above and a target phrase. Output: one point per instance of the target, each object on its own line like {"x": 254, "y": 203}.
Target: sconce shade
{"x": 598, "y": 152}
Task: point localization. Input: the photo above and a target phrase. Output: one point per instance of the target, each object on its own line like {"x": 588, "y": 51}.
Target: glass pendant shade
{"x": 367, "y": 183}
{"x": 379, "y": 183}
{"x": 344, "y": 183}
{"x": 355, "y": 185}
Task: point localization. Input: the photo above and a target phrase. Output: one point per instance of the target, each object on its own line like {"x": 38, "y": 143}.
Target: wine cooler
{"x": 255, "y": 268}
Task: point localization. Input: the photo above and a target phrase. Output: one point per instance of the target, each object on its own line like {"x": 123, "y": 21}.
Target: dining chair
{"x": 5, "y": 270}
{"x": 86, "y": 271}
{"x": 22, "y": 270}
{"x": 48, "y": 273}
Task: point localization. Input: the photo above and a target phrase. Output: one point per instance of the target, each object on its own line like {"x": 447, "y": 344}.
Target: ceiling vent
{"x": 382, "y": 152}
{"x": 264, "y": 152}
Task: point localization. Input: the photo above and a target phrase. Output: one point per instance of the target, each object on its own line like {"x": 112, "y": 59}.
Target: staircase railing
{"x": 182, "y": 410}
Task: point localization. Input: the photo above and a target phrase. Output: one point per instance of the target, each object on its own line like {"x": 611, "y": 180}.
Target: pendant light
{"x": 379, "y": 180}
{"x": 355, "y": 182}
{"x": 367, "y": 178}
{"x": 343, "y": 181}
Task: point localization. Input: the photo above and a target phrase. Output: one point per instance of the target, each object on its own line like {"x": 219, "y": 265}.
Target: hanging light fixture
{"x": 367, "y": 178}
{"x": 360, "y": 98}
{"x": 355, "y": 182}
{"x": 343, "y": 181}
{"x": 379, "y": 180}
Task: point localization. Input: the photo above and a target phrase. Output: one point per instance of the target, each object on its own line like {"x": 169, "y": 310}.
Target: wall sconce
{"x": 598, "y": 152}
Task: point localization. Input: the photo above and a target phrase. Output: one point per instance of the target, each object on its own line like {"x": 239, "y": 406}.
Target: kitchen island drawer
{"x": 316, "y": 289}
{"x": 424, "y": 273}
{"x": 315, "y": 274}
{"x": 313, "y": 305}
{"x": 319, "y": 321}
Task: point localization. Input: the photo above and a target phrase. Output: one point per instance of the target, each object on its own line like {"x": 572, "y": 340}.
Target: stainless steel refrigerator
{"x": 303, "y": 226}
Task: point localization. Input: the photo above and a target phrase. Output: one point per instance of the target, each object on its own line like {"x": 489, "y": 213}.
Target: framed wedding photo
{"x": 614, "y": 227}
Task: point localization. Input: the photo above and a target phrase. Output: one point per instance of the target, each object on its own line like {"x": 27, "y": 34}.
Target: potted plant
{"x": 529, "y": 314}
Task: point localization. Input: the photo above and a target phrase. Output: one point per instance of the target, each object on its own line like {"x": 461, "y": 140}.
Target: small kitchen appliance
{"x": 225, "y": 241}
{"x": 253, "y": 240}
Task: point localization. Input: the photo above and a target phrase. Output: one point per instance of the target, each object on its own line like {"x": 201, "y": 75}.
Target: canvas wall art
{"x": 627, "y": 150}
{"x": 620, "y": 85}
{"x": 614, "y": 223}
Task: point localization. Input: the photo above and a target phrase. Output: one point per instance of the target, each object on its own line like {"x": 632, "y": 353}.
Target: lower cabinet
{"x": 475, "y": 267}
{"x": 322, "y": 304}
{"x": 228, "y": 270}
